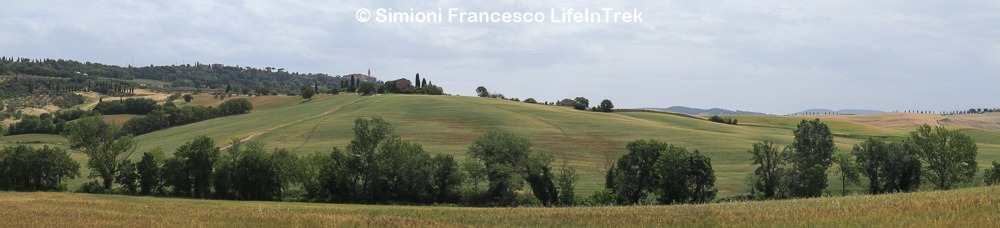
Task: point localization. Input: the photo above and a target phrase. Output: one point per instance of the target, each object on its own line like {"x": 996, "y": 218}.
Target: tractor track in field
{"x": 533, "y": 117}
{"x": 325, "y": 116}
{"x": 259, "y": 133}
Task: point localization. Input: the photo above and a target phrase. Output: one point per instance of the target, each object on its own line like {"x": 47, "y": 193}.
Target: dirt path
{"x": 249, "y": 137}
{"x": 92, "y": 100}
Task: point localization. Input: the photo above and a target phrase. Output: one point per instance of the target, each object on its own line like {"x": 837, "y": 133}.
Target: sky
{"x": 768, "y": 56}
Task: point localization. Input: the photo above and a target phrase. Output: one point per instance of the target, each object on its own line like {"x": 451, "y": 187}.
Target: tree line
{"x": 501, "y": 169}
{"x": 578, "y": 103}
{"x": 726, "y": 120}
{"x": 167, "y": 115}
{"x": 155, "y": 117}
{"x": 938, "y": 156}
{"x": 376, "y": 167}
{"x": 196, "y": 76}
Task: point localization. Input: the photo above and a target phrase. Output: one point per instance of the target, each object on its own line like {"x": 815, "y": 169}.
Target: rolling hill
{"x": 711, "y": 111}
{"x": 449, "y": 124}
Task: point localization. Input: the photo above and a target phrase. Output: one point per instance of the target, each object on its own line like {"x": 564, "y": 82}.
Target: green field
{"x": 971, "y": 207}
{"x": 449, "y": 124}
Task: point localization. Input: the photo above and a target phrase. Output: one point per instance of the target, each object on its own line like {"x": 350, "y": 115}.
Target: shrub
{"x": 603, "y": 197}
{"x": 992, "y": 175}
{"x": 235, "y": 107}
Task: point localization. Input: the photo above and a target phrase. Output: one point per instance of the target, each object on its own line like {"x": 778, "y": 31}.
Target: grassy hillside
{"x": 973, "y": 207}
{"x": 449, "y": 124}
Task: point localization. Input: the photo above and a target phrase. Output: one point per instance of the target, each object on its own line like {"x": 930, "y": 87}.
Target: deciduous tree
{"x": 771, "y": 172}
{"x": 813, "y": 152}
{"x": 949, "y": 156}
{"x": 307, "y": 92}
{"x": 103, "y": 146}
{"x": 606, "y": 106}
{"x": 634, "y": 175}
{"x": 992, "y": 175}
{"x": 482, "y": 92}
{"x": 847, "y": 169}
{"x": 505, "y": 157}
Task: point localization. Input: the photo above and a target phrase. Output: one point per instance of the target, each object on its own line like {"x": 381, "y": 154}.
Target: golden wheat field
{"x": 971, "y": 207}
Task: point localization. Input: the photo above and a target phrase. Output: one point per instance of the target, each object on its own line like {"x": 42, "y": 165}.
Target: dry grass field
{"x": 971, "y": 207}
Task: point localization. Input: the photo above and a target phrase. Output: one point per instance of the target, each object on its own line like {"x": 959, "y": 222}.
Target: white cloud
{"x": 771, "y": 56}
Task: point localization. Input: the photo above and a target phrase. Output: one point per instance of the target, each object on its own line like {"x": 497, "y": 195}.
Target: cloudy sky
{"x": 769, "y": 56}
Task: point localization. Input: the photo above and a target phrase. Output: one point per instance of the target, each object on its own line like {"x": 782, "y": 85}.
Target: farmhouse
{"x": 403, "y": 84}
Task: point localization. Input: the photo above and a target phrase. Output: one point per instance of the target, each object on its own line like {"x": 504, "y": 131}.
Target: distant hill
{"x": 842, "y": 111}
{"x": 69, "y": 75}
{"x": 712, "y": 111}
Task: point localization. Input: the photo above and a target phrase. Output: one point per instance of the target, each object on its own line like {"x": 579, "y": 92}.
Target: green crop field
{"x": 970, "y": 207}
{"x": 449, "y": 124}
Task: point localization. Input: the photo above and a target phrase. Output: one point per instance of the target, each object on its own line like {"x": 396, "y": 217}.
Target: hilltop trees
{"x": 68, "y": 75}
{"x": 581, "y": 103}
{"x": 366, "y": 88}
{"x": 606, "y": 106}
{"x": 813, "y": 151}
{"x": 188, "y": 98}
{"x": 482, "y": 92}
{"x": 950, "y": 156}
{"x": 102, "y": 143}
